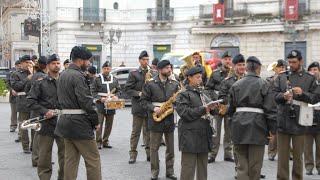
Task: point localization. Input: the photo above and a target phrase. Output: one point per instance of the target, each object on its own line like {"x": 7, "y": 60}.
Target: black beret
{"x": 34, "y": 57}
{"x": 226, "y": 54}
{"x": 254, "y": 59}
{"x": 313, "y": 64}
{"x": 238, "y": 59}
{"x": 25, "y": 58}
{"x": 106, "y": 64}
{"x": 193, "y": 71}
{"x": 162, "y": 64}
{"x": 92, "y": 70}
{"x": 155, "y": 61}
{"x": 53, "y": 57}
{"x": 294, "y": 54}
{"x": 280, "y": 62}
{"x": 17, "y": 62}
{"x": 80, "y": 52}
{"x": 42, "y": 60}
{"x": 143, "y": 54}
{"x": 66, "y": 61}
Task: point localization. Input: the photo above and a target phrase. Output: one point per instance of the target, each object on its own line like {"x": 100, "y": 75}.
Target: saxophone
{"x": 148, "y": 75}
{"x": 166, "y": 108}
{"x": 223, "y": 107}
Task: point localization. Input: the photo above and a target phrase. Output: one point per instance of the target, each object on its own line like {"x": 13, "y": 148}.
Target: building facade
{"x": 251, "y": 27}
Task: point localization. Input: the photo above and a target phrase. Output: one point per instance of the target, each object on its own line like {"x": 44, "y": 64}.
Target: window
{"x": 23, "y": 36}
{"x": 91, "y": 10}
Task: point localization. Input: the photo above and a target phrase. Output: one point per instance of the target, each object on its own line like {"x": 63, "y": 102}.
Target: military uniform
{"x": 288, "y": 127}
{"x": 194, "y": 131}
{"x": 213, "y": 87}
{"x": 12, "y": 101}
{"x": 78, "y": 119}
{"x": 21, "y": 84}
{"x": 155, "y": 93}
{"x": 252, "y": 119}
{"x": 100, "y": 90}
{"x": 42, "y": 98}
{"x": 133, "y": 88}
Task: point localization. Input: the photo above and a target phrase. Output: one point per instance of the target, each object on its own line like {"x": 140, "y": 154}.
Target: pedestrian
{"x": 133, "y": 88}
{"x": 105, "y": 87}
{"x": 213, "y": 87}
{"x": 20, "y": 81}
{"x": 292, "y": 90}
{"x": 157, "y": 93}
{"x": 78, "y": 118}
{"x": 252, "y": 120}
{"x": 194, "y": 129}
{"x": 313, "y": 132}
{"x": 43, "y": 101}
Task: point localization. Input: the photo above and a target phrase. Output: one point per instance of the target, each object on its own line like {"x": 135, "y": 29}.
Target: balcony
{"x": 205, "y": 11}
{"x": 236, "y": 12}
{"x": 92, "y": 15}
{"x": 160, "y": 14}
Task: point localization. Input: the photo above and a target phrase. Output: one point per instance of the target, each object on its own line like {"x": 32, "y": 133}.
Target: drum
{"x": 118, "y": 104}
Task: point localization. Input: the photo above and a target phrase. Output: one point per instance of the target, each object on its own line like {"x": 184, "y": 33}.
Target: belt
{"x": 249, "y": 109}
{"x": 299, "y": 103}
{"x": 21, "y": 93}
{"x": 104, "y": 94}
{"x": 72, "y": 111}
{"x": 159, "y": 104}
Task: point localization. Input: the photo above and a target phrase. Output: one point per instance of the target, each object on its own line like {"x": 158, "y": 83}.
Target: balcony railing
{"x": 205, "y": 11}
{"x": 92, "y": 14}
{"x": 160, "y": 14}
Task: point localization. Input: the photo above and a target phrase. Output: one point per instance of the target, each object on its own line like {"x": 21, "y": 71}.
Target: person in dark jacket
{"x": 290, "y": 97}
{"x": 78, "y": 117}
{"x": 313, "y": 132}
{"x": 20, "y": 81}
{"x": 194, "y": 127}
{"x": 66, "y": 64}
{"x": 276, "y": 67}
{"x": 133, "y": 88}
{"x": 155, "y": 93}
{"x": 252, "y": 120}
{"x": 197, "y": 60}
{"x": 213, "y": 87}
{"x": 43, "y": 100}
{"x": 92, "y": 71}
{"x": 154, "y": 63}
{"x": 12, "y": 101}
{"x": 105, "y": 87}
{"x": 41, "y": 72}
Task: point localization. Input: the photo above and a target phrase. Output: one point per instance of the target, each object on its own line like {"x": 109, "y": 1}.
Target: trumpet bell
{"x": 272, "y": 66}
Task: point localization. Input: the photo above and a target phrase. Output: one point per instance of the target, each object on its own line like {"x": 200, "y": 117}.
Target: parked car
{"x": 4, "y": 73}
{"x": 122, "y": 74}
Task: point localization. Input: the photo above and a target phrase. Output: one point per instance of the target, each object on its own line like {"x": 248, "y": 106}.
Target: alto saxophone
{"x": 148, "y": 75}
{"x": 166, "y": 109}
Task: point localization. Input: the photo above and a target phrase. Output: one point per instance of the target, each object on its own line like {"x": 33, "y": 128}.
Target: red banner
{"x": 218, "y": 13}
{"x": 291, "y": 10}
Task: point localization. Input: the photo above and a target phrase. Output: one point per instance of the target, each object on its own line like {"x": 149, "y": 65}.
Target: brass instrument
{"x": 222, "y": 107}
{"x": 148, "y": 75}
{"x": 117, "y": 104}
{"x": 189, "y": 64}
{"x": 31, "y": 67}
{"x": 272, "y": 67}
{"x": 35, "y": 123}
{"x": 166, "y": 108}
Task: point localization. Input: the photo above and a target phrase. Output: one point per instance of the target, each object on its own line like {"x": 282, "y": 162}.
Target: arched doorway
{"x": 226, "y": 42}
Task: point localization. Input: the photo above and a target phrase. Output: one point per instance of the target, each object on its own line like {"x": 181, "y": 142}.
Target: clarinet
{"x": 289, "y": 91}
{"x": 205, "y": 99}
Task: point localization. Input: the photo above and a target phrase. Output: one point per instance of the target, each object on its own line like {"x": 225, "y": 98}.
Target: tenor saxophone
{"x": 166, "y": 109}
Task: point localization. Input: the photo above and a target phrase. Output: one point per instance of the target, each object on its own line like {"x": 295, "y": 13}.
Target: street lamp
{"x": 111, "y": 39}
{"x": 294, "y": 34}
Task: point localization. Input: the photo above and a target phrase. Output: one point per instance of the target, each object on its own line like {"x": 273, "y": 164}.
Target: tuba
{"x": 189, "y": 64}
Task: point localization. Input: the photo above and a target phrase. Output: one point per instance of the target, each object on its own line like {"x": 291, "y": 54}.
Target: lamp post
{"x": 111, "y": 39}
{"x": 294, "y": 34}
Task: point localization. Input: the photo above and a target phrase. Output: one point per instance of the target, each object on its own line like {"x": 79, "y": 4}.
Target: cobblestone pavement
{"x": 15, "y": 165}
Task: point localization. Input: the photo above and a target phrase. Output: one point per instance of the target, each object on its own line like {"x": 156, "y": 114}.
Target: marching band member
{"x": 155, "y": 94}
{"x": 194, "y": 130}
{"x": 292, "y": 91}
{"x": 43, "y": 100}
{"x": 313, "y": 132}
{"x": 250, "y": 105}
{"x": 105, "y": 87}
{"x": 78, "y": 117}
{"x": 133, "y": 88}
{"x": 21, "y": 82}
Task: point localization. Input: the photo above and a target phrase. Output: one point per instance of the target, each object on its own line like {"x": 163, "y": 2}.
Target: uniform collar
{"x": 195, "y": 89}
{"x": 75, "y": 67}
{"x": 158, "y": 79}
{"x": 301, "y": 72}
{"x": 252, "y": 74}
{"x": 51, "y": 78}
{"x": 141, "y": 69}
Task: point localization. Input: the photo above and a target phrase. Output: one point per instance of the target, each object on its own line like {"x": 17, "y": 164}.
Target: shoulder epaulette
{"x": 151, "y": 79}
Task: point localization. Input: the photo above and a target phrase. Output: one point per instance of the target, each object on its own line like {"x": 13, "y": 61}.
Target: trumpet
{"x": 35, "y": 123}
